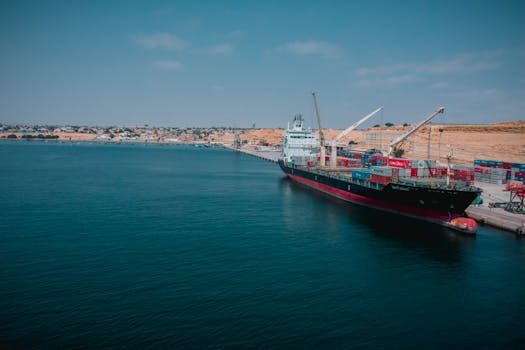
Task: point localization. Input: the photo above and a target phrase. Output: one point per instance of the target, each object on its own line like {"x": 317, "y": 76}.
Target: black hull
{"x": 432, "y": 204}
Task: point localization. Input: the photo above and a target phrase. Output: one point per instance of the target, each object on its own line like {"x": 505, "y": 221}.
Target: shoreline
{"x": 189, "y": 143}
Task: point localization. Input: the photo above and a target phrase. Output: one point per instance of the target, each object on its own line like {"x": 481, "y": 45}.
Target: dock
{"x": 267, "y": 155}
{"x": 496, "y": 217}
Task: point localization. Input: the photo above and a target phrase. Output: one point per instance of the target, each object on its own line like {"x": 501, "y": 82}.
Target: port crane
{"x": 397, "y": 141}
{"x": 333, "y": 143}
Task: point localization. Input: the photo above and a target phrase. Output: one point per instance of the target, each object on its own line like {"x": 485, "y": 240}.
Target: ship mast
{"x": 450, "y": 155}
{"x": 321, "y": 136}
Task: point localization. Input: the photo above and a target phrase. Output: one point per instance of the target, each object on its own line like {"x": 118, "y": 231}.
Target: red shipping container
{"x": 413, "y": 172}
{"x": 384, "y": 180}
{"x": 478, "y": 169}
{"x": 399, "y": 163}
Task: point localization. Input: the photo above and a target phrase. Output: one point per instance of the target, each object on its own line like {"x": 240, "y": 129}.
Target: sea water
{"x": 169, "y": 246}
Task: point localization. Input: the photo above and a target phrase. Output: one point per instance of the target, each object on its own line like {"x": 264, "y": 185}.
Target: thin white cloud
{"x": 236, "y": 33}
{"x": 214, "y": 50}
{"x": 161, "y": 41}
{"x": 168, "y": 65}
{"x": 382, "y": 70}
{"x": 161, "y": 12}
{"x": 460, "y": 64}
{"x": 386, "y": 82}
{"x": 311, "y": 47}
{"x": 465, "y": 63}
{"x": 473, "y": 94}
{"x": 221, "y": 49}
{"x": 439, "y": 85}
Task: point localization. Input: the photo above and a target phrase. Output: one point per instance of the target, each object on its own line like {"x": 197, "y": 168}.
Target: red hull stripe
{"x": 428, "y": 215}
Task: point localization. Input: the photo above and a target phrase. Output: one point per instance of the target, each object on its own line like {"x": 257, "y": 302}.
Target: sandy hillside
{"x": 500, "y": 141}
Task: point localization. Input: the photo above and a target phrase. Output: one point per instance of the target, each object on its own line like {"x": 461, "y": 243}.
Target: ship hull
{"x": 438, "y": 206}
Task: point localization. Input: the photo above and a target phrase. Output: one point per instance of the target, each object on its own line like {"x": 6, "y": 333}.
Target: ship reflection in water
{"x": 342, "y": 222}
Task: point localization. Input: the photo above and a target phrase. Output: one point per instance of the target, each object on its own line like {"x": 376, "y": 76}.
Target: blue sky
{"x": 235, "y": 63}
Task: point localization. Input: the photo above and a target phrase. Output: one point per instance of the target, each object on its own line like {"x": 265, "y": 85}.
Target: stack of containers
{"x": 462, "y": 174}
{"x": 378, "y": 160}
{"x": 381, "y": 174}
{"x": 354, "y": 163}
{"x": 423, "y": 168}
{"x": 402, "y": 166}
{"x": 441, "y": 171}
{"x": 349, "y": 162}
{"x": 349, "y": 154}
{"x": 401, "y": 172}
{"x": 517, "y": 172}
{"x": 490, "y": 175}
{"x": 415, "y": 167}
{"x": 496, "y": 172}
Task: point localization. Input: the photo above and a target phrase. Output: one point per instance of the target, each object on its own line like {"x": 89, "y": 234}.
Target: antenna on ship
{"x": 321, "y": 136}
{"x": 450, "y": 155}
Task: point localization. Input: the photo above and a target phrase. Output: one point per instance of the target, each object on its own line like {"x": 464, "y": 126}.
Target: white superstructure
{"x": 299, "y": 142}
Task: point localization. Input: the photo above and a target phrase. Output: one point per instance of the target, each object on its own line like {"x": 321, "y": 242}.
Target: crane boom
{"x": 322, "y": 150}
{"x": 321, "y": 136}
{"x": 356, "y": 124}
{"x": 392, "y": 144}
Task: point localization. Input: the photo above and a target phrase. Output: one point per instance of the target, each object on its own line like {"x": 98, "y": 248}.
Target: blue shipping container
{"x": 361, "y": 174}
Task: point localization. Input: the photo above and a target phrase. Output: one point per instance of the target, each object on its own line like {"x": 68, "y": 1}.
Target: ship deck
{"x": 343, "y": 173}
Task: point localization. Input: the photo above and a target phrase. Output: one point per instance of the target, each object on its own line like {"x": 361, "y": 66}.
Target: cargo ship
{"x": 420, "y": 189}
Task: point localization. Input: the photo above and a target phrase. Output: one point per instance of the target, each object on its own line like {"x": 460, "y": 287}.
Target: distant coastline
{"x": 499, "y": 141}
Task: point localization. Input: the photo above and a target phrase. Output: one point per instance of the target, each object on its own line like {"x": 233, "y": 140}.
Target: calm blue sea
{"x": 152, "y": 246}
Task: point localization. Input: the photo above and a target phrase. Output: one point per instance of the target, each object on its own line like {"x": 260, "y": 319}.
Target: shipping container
{"x": 401, "y": 172}
{"x": 399, "y": 163}
{"x": 380, "y": 170}
{"x": 361, "y": 174}
{"x": 383, "y": 180}
{"x": 424, "y": 163}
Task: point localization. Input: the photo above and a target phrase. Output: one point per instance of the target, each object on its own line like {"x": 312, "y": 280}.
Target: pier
{"x": 268, "y": 155}
{"x": 499, "y": 218}
{"x": 496, "y": 217}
